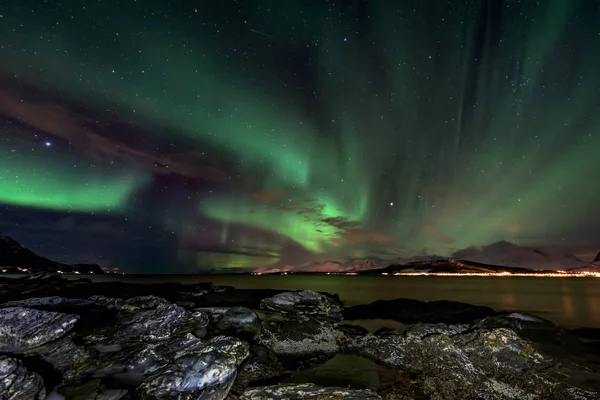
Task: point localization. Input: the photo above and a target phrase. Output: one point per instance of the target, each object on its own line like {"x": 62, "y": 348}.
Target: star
{"x": 48, "y": 144}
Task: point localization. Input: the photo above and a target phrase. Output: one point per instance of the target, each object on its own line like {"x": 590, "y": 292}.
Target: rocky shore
{"x": 79, "y": 340}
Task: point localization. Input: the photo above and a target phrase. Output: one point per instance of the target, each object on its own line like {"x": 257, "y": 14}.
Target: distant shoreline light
{"x": 556, "y": 274}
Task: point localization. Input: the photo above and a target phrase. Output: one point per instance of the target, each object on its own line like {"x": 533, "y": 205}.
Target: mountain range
{"x": 16, "y": 258}
{"x": 496, "y": 257}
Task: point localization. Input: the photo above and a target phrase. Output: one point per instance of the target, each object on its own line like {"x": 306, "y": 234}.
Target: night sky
{"x": 181, "y": 136}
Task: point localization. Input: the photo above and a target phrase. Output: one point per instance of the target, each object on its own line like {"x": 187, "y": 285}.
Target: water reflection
{"x": 571, "y": 302}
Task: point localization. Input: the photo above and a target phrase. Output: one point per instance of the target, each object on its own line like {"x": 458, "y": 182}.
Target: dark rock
{"x": 307, "y": 391}
{"x": 205, "y": 372}
{"x": 413, "y": 311}
{"x": 304, "y": 303}
{"x": 300, "y": 339}
{"x": 260, "y": 366}
{"x": 16, "y": 383}
{"x": 597, "y": 259}
{"x": 107, "y": 302}
{"x": 240, "y": 322}
{"x": 23, "y": 329}
{"x": 587, "y": 333}
{"x": 200, "y": 321}
{"x": 64, "y": 355}
{"x": 90, "y": 390}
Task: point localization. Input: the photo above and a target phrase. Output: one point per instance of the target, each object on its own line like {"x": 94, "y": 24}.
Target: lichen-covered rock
{"x": 453, "y": 362}
{"x": 23, "y": 329}
{"x": 304, "y": 303}
{"x": 307, "y": 391}
{"x": 240, "y": 322}
{"x": 16, "y": 383}
{"x": 305, "y": 338}
{"x": 199, "y": 373}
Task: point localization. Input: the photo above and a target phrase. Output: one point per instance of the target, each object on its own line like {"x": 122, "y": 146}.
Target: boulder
{"x": 240, "y": 322}
{"x": 303, "y": 304}
{"x": 156, "y": 324}
{"x": 307, "y": 391}
{"x": 16, "y": 383}
{"x": 458, "y": 362}
{"x": 204, "y": 372}
{"x": 22, "y": 329}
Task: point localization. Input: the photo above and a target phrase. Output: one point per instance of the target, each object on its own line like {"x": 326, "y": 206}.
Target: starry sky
{"x": 186, "y": 136}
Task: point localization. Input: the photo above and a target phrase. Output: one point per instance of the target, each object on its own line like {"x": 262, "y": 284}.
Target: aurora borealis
{"x": 242, "y": 134}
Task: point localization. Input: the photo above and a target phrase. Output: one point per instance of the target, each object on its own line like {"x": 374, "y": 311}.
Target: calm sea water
{"x": 570, "y": 302}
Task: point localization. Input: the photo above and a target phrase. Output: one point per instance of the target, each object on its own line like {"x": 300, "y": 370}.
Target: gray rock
{"x": 23, "y": 329}
{"x": 157, "y": 324}
{"x": 16, "y": 383}
{"x": 304, "y": 303}
{"x": 307, "y": 391}
{"x": 240, "y": 322}
{"x": 149, "y": 325}
{"x": 200, "y": 372}
{"x": 140, "y": 303}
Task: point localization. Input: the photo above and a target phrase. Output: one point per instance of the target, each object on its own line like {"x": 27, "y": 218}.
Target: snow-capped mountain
{"x": 511, "y": 255}
{"x": 499, "y": 256}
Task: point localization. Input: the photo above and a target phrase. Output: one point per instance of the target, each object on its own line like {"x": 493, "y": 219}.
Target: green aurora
{"x": 346, "y": 131}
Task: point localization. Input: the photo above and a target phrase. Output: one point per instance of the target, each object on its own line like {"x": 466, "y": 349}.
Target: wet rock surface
{"x": 240, "y": 322}
{"x": 118, "y": 341}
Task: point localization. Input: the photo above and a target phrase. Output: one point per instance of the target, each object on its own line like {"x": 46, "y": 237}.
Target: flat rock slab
{"x": 22, "y": 329}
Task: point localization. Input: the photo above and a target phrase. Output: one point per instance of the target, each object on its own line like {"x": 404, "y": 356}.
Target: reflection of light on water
{"x": 593, "y": 303}
{"x": 567, "y": 302}
{"x": 557, "y": 274}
